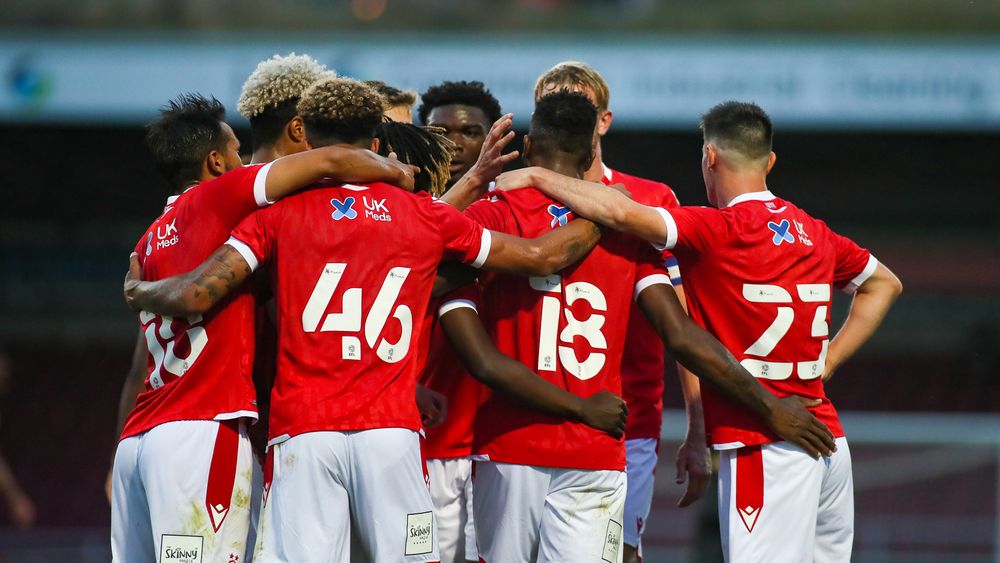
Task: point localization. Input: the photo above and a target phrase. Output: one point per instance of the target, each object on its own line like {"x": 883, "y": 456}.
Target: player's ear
{"x": 711, "y": 155}
{"x": 604, "y": 122}
{"x": 215, "y": 162}
{"x": 296, "y": 130}
{"x": 770, "y": 161}
{"x": 375, "y": 144}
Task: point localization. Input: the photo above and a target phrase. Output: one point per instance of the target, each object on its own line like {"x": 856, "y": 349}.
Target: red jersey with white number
{"x": 199, "y": 367}
{"x": 445, "y": 374}
{"x": 353, "y": 268}
{"x": 642, "y": 362}
{"x": 759, "y": 275}
{"x": 569, "y": 328}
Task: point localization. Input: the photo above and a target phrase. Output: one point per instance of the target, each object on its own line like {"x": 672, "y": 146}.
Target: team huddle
{"x": 372, "y": 344}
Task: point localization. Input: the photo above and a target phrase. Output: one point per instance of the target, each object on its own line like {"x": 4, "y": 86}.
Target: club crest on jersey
{"x": 343, "y": 209}
{"x": 560, "y": 215}
{"x": 781, "y": 233}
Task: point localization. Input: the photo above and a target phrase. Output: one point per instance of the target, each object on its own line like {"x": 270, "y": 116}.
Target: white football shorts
{"x": 547, "y": 514}
{"x": 451, "y": 491}
{"x": 181, "y": 492}
{"x": 778, "y": 504}
{"x": 327, "y": 486}
{"x": 640, "y": 469}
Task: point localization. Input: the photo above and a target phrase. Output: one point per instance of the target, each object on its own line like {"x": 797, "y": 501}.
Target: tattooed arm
{"x": 543, "y": 255}
{"x": 187, "y": 294}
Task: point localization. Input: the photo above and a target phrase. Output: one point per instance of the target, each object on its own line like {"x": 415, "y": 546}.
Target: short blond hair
{"x": 568, "y": 75}
{"x": 277, "y": 80}
{"x": 340, "y": 108}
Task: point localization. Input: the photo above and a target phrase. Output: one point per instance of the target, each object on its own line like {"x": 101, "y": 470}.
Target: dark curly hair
{"x": 472, "y": 93}
{"x": 425, "y": 147}
{"x": 563, "y": 122}
{"x": 189, "y": 127}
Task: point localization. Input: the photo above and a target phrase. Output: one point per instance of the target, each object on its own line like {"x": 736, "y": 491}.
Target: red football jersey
{"x": 445, "y": 374}
{"x": 642, "y": 362}
{"x": 199, "y": 367}
{"x": 353, "y": 268}
{"x": 759, "y": 277}
{"x": 569, "y": 328}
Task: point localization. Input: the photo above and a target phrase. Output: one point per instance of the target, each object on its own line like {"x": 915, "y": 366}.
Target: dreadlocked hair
{"x": 426, "y": 147}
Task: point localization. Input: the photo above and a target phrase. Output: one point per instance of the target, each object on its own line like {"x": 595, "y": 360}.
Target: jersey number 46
{"x": 349, "y": 318}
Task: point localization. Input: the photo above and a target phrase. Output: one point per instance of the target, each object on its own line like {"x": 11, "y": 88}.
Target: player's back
{"x": 569, "y": 328}
{"x": 762, "y": 283}
{"x": 354, "y": 267}
{"x": 199, "y": 367}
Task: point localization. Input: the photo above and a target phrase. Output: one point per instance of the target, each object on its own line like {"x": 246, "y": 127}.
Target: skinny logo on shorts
{"x": 612, "y": 542}
{"x": 419, "y": 533}
{"x": 181, "y": 549}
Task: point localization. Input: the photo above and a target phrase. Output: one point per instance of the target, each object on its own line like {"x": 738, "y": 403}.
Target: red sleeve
{"x": 492, "y": 213}
{"x": 235, "y": 194}
{"x": 253, "y": 238}
{"x": 466, "y": 296}
{"x": 691, "y": 228}
{"x": 669, "y": 201}
{"x": 464, "y": 239}
{"x": 854, "y": 265}
{"x": 650, "y": 269}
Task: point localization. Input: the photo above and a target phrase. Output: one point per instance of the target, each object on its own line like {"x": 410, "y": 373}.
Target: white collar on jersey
{"x": 607, "y": 172}
{"x": 765, "y": 195}
{"x": 173, "y": 198}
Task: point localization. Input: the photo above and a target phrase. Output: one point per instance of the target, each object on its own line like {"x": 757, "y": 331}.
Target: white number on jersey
{"x": 807, "y": 293}
{"x": 590, "y": 328}
{"x": 348, "y": 320}
{"x": 165, "y": 359}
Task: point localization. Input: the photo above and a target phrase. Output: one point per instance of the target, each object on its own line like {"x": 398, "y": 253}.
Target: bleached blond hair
{"x": 342, "y": 108}
{"x": 277, "y": 80}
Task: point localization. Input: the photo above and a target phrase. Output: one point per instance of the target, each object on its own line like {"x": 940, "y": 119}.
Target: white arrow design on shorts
{"x": 749, "y": 516}
{"x": 218, "y": 514}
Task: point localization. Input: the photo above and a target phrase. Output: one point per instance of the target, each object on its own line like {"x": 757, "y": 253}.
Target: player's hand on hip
{"x": 433, "y": 407}
{"x": 492, "y": 159}
{"x": 792, "y": 421}
{"x": 606, "y": 412}
{"x": 132, "y": 279}
{"x": 694, "y": 465}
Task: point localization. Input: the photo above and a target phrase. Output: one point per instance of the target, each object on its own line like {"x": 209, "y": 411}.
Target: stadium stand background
{"x": 77, "y": 193}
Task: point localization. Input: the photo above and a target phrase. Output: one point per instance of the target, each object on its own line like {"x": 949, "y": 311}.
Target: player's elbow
{"x": 539, "y": 262}
{"x": 483, "y": 368}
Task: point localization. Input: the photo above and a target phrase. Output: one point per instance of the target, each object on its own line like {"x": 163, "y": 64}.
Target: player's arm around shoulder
{"x": 871, "y": 303}
{"x": 193, "y": 293}
{"x": 339, "y": 163}
{"x": 609, "y": 207}
{"x": 460, "y": 322}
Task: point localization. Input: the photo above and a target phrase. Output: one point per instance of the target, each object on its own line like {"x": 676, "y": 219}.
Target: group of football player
{"x": 372, "y": 344}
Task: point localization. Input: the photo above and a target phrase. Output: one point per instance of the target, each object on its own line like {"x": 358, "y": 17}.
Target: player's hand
{"x": 433, "y": 407}
{"x": 401, "y": 174}
{"x": 694, "y": 465}
{"x": 491, "y": 159}
{"x": 21, "y": 511}
{"x": 132, "y": 279}
{"x": 606, "y": 412}
{"x": 518, "y": 179}
{"x": 790, "y": 420}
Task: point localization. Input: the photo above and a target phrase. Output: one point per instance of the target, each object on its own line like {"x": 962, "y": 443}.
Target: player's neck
{"x": 596, "y": 171}
{"x": 564, "y": 166}
{"x": 264, "y": 154}
{"x": 734, "y": 184}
